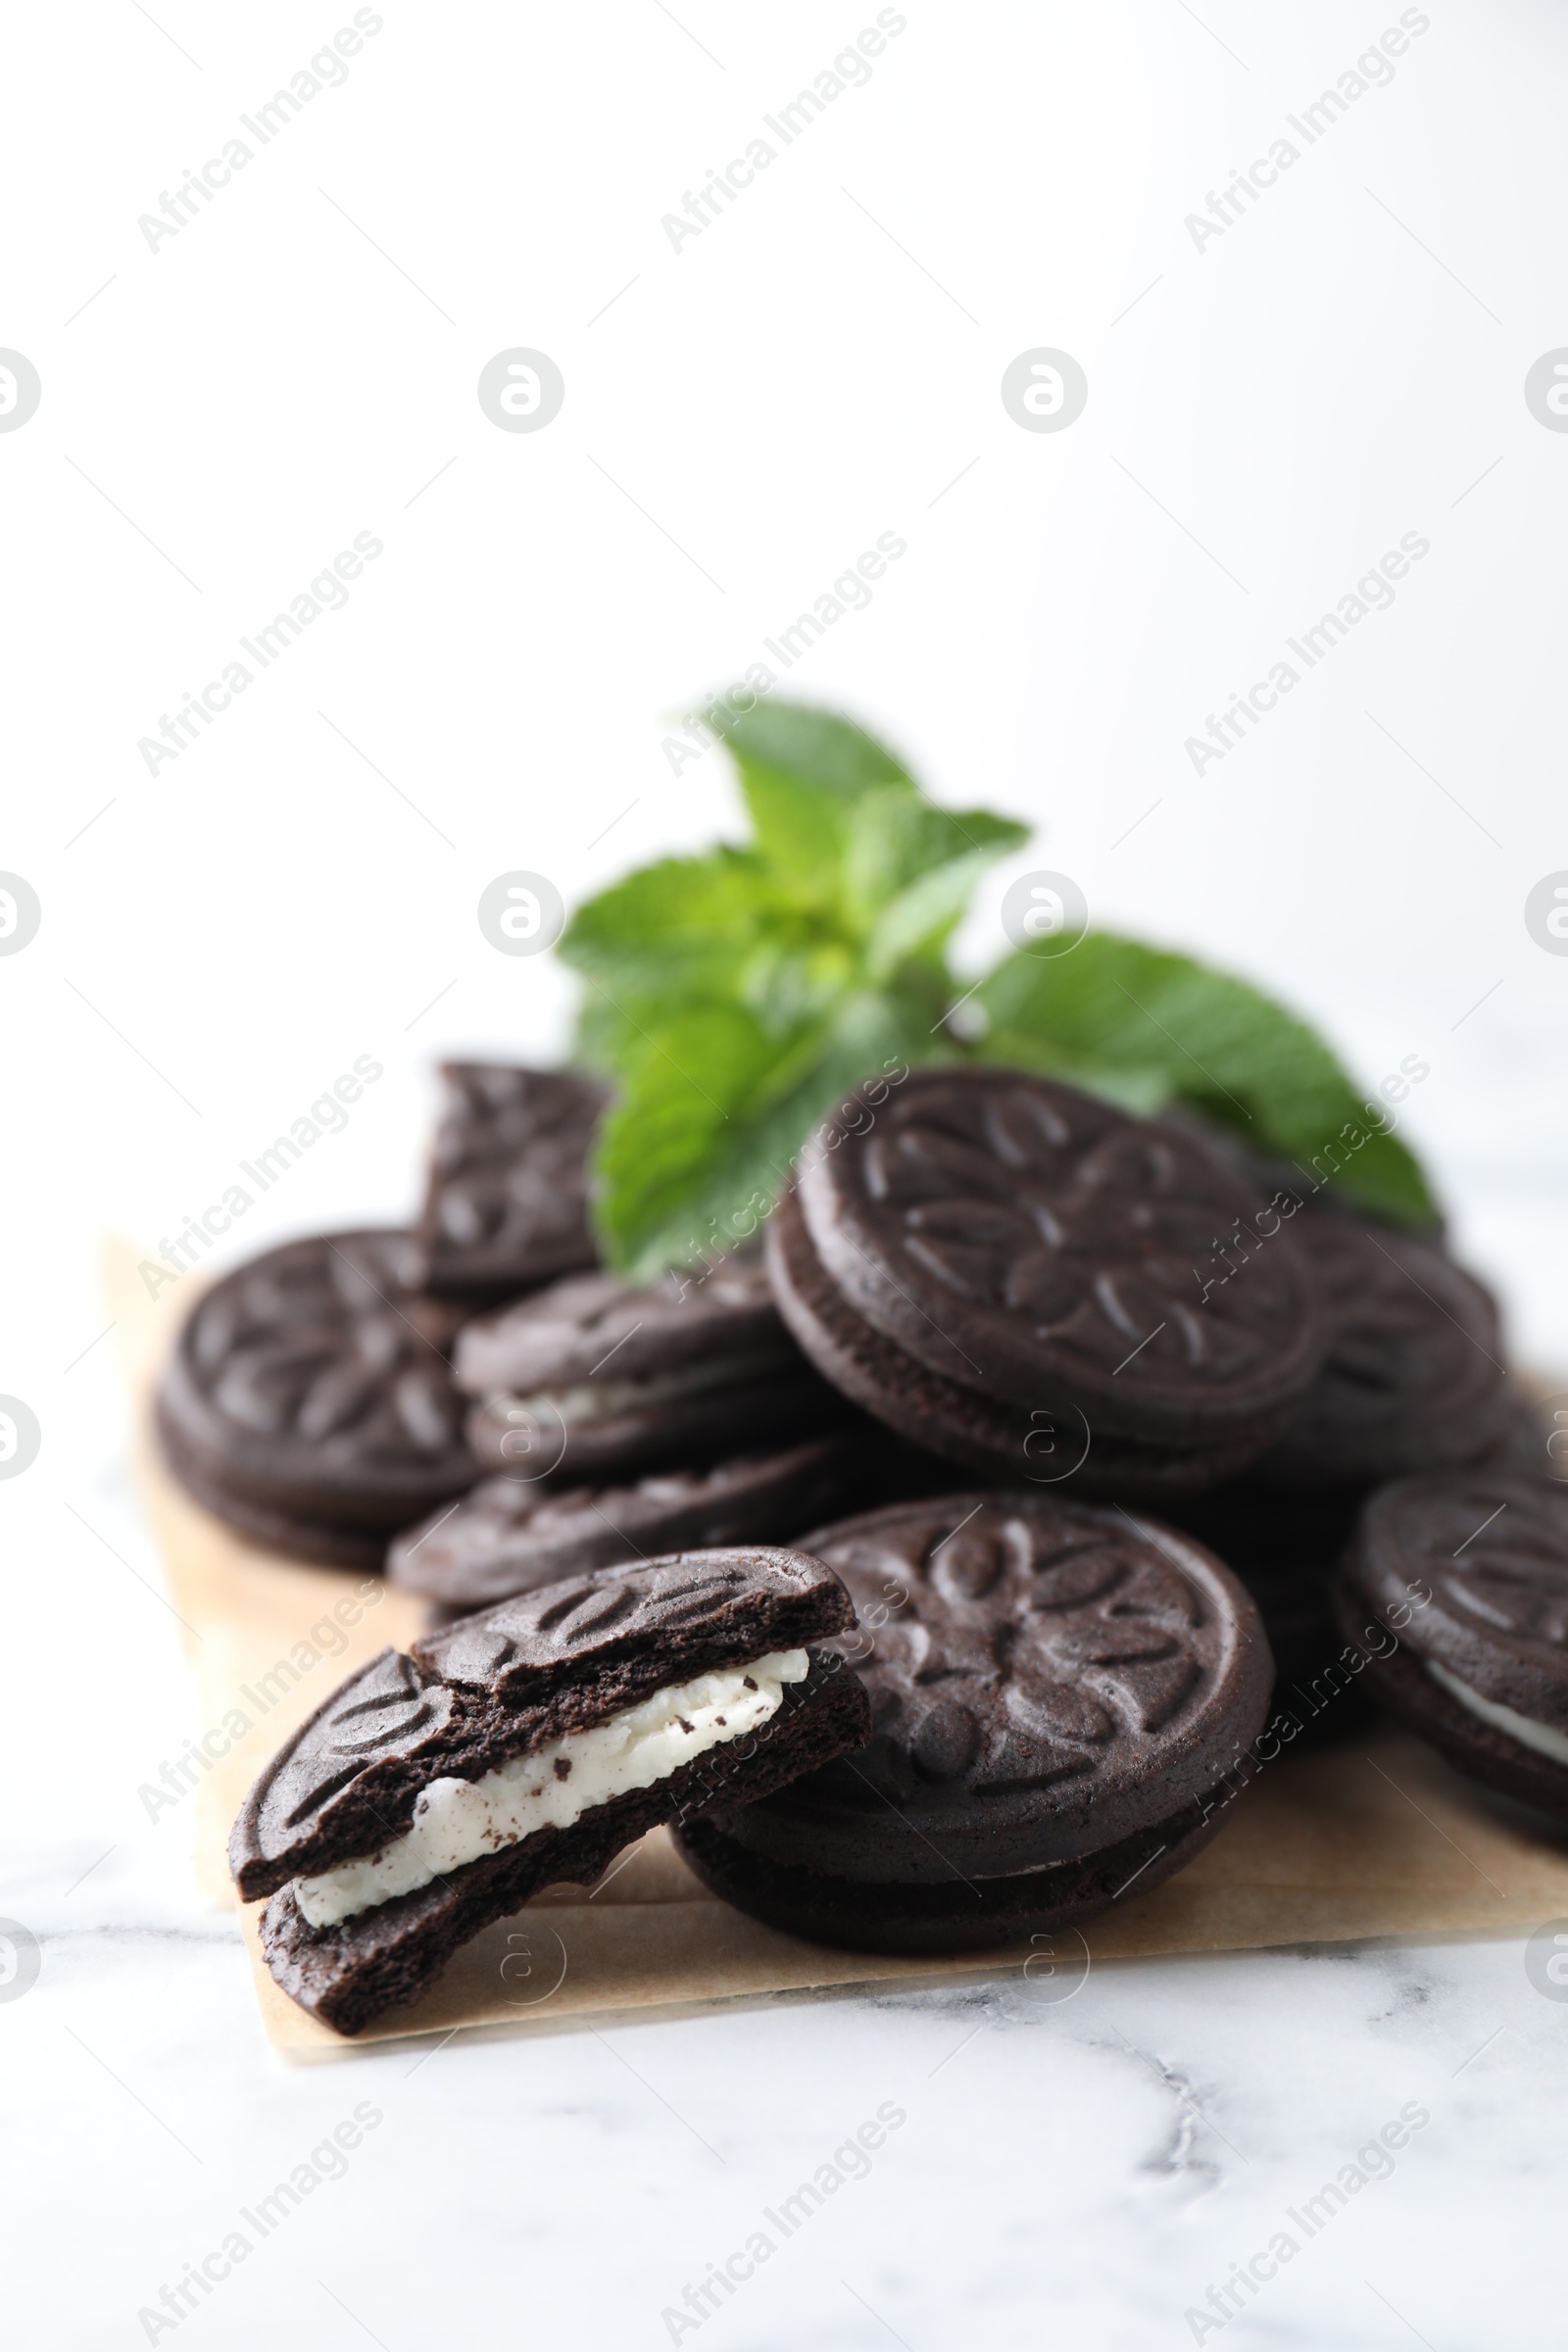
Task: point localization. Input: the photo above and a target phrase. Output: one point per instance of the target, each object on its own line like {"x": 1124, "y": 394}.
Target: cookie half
{"x": 436, "y": 1790}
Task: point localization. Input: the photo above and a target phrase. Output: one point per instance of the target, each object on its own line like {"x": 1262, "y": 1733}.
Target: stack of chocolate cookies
{"x": 1415, "y": 1382}
{"x": 314, "y": 1404}
{"x": 510, "y": 1535}
{"x": 989, "y": 1694}
{"x": 596, "y": 1375}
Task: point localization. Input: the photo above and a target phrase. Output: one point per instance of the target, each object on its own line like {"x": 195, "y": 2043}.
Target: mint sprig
{"x": 733, "y": 999}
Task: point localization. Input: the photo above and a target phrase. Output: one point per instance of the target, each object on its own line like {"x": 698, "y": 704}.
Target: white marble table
{"x": 1074, "y": 2162}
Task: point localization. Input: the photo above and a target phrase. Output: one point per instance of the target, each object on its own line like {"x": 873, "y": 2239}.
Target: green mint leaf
{"x": 698, "y": 931}
{"x": 807, "y": 746}
{"x": 604, "y": 1036}
{"x": 734, "y": 998}
{"x": 802, "y": 772}
{"x": 681, "y": 1089}
{"x": 681, "y": 928}
{"x": 1149, "y": 1027}
{"x": 699, "y": 1143}
{"x": 909, "y": 870}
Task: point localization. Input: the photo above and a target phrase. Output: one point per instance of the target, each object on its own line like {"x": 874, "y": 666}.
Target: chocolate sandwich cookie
{"x": 1281, "y": 1188}
{"x": 1455, "y": 1595}
{"x": 436, "y": 1792}
{"x": 1061, "y": 1699}
{"x": 308, "y": 1401}
{"x": 507, "y": 1204}
{"x": 1414, "y": 1377}
{"x": 1008, "y": 1272}
{"x": 510, "y": 1535}
{"x": 596, "y": 1375}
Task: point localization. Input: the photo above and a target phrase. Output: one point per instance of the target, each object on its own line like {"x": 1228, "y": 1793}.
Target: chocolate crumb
{"x": 747, "y": 1680}
{"x": 563, "y": 1767}
{"x": 684, "y": 1724}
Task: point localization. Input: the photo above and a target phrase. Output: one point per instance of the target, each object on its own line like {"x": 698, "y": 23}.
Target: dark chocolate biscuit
{"x": 309, "y": 1399}
{"x": 1456, "y": 1596}
{"x": 1055, "y": 1692}
{"x": 596, "y": 1375}
{"x": 509, "y": 1535}
{"x": 506, "y": 1202}
{"x": 324, "y": 1541}
{"x": 1413, "y": 1378}
{"x": 1005, "y": 1269}
{"x": 1046, "y": 1445}
{"x": 1280, "y": 1187}
{"x": 906, "y": 1918}
{"x": 364, "y": 1830}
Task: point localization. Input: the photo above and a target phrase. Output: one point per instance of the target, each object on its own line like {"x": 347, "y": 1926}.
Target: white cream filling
{"x": 550, "y": 1787}
{"x": 603, "y": 1400}
{"x": 1544, "y": 1738}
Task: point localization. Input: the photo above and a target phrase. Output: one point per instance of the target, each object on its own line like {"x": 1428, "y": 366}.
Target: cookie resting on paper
{"x": 308, "y": 1401}
{"x": 1063, "y": 1700}
{"x": 436, "y": 1792}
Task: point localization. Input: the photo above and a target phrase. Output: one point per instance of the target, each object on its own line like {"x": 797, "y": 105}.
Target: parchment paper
{"x": 1368, "y": 1837}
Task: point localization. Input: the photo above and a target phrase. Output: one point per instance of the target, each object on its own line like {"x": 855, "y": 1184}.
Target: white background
{"x": 298, "y": 365}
